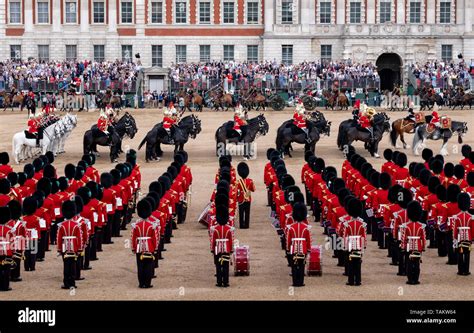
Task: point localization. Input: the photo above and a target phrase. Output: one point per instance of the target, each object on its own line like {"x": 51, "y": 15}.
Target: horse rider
{"x": 239, "y": 120}
{"x": 365, "y": 120}
{"x": 411, "y": 115}
{"x": 168, "y": 122}
{"x": 13, "y": 91}
{"x": 435, "y": 120}
{"x": 31, "y": 94}
{"x": 299, "y": 120}
{"x": 33, "y": 128}
{"x": 109, "y": 111}
{"x": 103, "y": 125}
{"x": 355, "y": 112}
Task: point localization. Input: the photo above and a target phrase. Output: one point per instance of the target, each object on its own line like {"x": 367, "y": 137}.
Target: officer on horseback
{"x": 169, "y": 121}
{"x": 299, "y": 120}
{"x": 365, "y": 120}
{"x": 33, "y": 129}
{"x": 103, "y": 126}
{"x": 239, "y": 120}
{"x": 435, "y": 121}
{"x": 411, "y": 115}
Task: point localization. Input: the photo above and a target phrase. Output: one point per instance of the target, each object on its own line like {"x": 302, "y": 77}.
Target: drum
{"x": 241, "y": 260}
{"x": 203, "y": 217}
{"x": 445, "y": 122}
{"x": 419, "y": 117}
{"x": 314, "y": 261}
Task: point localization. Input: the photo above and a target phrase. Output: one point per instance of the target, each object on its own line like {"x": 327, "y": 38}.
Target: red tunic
{"x": 241, "y": 192}
{"x": 32, "y": 126}
{"x": 69, "y": 238}
{"x": 354, "y": 235}
{"x": 222, "y": 239}
{"x": 102, "y": 124}
{"x": 144, "y": 237}
{"x": 463, "y": 227}
{"x": 168, "y": 122}
{"x": 364, "y": 122}
{"x": 238, "y": 122}
{"x": 413, "y": 237}
{"x": 6, "y": 241}
{"x": 298, "y": 240}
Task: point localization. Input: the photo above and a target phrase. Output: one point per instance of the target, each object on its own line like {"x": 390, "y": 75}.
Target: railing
{"x": 91, "y": 86}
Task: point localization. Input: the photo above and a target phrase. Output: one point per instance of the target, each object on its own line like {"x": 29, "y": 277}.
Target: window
{"x": 204, "y": 12}
{"x": 157, "y": 12}
{"x": 415, "y": 12}
{"x": 157, "y": 55}
{"x": 126, "y": 9}
{"x": 204, "y": 53}
{"x": 445, "y": 12}
{"x": 447, "y": 53}
{"x": 252, "y": 12}
{"x": 228, "y": 12}
{"x": 228, "y": 52}
{"x": 71, "y": 52}
{"x": 127, "y": 53}
{"x": 325, "y": 12}
{"x": 15, "y": 12}
{"x": 15, "y": 52}
{"x": 385, "y": 11}
{"x": 355, "y": 12}
{"x": 287, "y": 54}
{"x": 71, "y": 12}
{"x": 326, "y": 53}
{"x": 181, "y": 12}
{"x": 180, "y": 53}
{"x": 99, "y": 12}
{"x": 287, "y": 11}
{"x": 99, "y": 53}
{"x": 43, "y": 52}
{"x": 43, "y": 12}
{"x": 252, "y": 53}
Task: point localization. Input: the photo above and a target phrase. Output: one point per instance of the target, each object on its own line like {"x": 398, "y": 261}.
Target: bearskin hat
{"x": 50, "y": 156}
{"x": 319, "y": 165}
{"x": 414, "y": 211}
{"x": 337, "y": 184}
{"x": 12, "y": 178}
{"x": 286, "y": 181}
{"x": 49, "y": 171}
{"x": 385, "y": 180}
{"x": 44, "y": 159}
{"x": 87, "y": 158}
{"x": 354, "y": 207}
{"x": 417, "y": 170}
{"x": 144, "y": 209}
{"x": 15, "y": 209}
{"x": 94, "y": 188}
{"x": 131, "y": 157}
{"x": 300, "y": 212}
{"x": 375, "y": 179}
{"x": 38, "y": 164}
{"x": 165, "y": 182}
{"x": 155, "y": 186}
{"x": 21, "y": 178}
{"x": 69, "y": 171}
{"x": 224, "y": 163}
{"x": 30, "y": 204}
{"x": 464, "y": 201}
{"x": 470, "y": 178}
{"x": 54, "y": 186}
{"x": 342, "y": 194}
{"x": 439, "y": 157}
{"x": 425, "y": 177}
{"x": 452, "y": 192}
{"x": 426, "y": 154}
{"x": 85, "y": 193}
{"x": 82, "y": 164}
{"x": 225, "y": 176}
{"x": 156, "y": 197}
{"x": 393, "y": 191}
{"x": 328, "y": 171}
{"x": 349, "y": 151}
{"x": 151, "y": 201}
{"x": 39, "y": 196}
{"x": 79, "y": 204}
{"x": 359, "y": 163}
{"x": 29, "y": 170}
{"x": 79, "y": 173}
{"x": 307, "y": 155}
{"x": 222, "y": 199}
{"x": 100, "y": 192}
{"x": 4, "y": 186}
{"x": 298, "y": 197}
{"x": 275, "y": 156}
{"x": 459, "y": 171}
{"x": 354, "y": 159}
{"x": 401, "y": 160}
{"x": 411, "y": 168}
{"x": 178, "y": 158}
{"x": 449, "y": 169}
{"x": 243, "y": 170}
{"x": 116, "y": 176}
{"x": 471, "y": 157}
{"x": 466, "y": 150}
{"x": 4, "y": 215}
{"x": 222, "y": 214}
{"x": 123, "y": 170}
{"x": 441, "y": 193}
{"x": 404, "y": 198}
{"x": 433, "y": 183}
{"x": 106, "y": 180}
{"x": 269, "y": 153}
{"x": 172, "y": 171}
{"x": 387, "y": 154}
{"x": 4, "y": 158}
{"x": 63, "y": 183}
{"x": 224, "y": 184}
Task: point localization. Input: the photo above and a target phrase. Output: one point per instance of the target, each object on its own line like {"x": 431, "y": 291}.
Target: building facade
{"x": 391, "y": 33}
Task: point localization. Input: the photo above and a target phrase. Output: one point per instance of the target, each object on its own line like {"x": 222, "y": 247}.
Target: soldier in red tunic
{"x": 69, "y": 243}
{"x": 222, "y": 246}
{"x": 144, "y": 244}
{"x": 239, "y": 121}
{"x": 6, "y": 247}
{"x": 5, "y": 168}
{"x": 168, "y": 123}
{"x": 19, "y": 233}
{"x": 298, "y": 243}
{"x": 33, "y": 128}
{"x": 452, "y": 210}
{"x": 106, "y": 180}
{"x": 465, "y": 162}
{"x": 32, "y": 225}
{"x": 463, "y": 233}
{"x": 413, "y": 241}
{"x": 244, "y": 198}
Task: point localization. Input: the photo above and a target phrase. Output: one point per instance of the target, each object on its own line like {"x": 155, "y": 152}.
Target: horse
{"x": 222, "y": 101}
{"x": 30, "y": 105}
{"x": 254, "y": 99}
{"x": 399, "y": 127}
{"x": 192, "y": 99}
{"x": 423, "y": 133}
{"x": 125, "y": 126}
{"x": 188, "y": 127}
{"x": 428, "y": 101}
{"x": 462, "y": 100}
{"x": 287, "y": 133}
{"x": 8, "y": 101}
{"x": 334, "y": 101}
{"x": 52, "y": 135}
{"x": 255, "y": 126}
{"x": 349, "y": 132}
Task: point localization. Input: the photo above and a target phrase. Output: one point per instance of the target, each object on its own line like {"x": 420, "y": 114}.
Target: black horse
{"x": 188, "y": 127}
{"x": 287, "y": 133}
{"x": 225, "y": 134}
{"x": 93, "y": 137}
{"x": 350, "y": 132}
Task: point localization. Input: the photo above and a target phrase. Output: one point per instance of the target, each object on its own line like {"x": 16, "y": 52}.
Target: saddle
{"x": 28, "y": 135}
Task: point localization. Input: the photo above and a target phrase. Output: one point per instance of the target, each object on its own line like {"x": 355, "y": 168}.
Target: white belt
{"x": 413, "y": 237}
{"x": 69, "y": 237}
{"x": 464, "y": 228}
{"x": 298, "y": 239}
{"x": 143, "y": 238}
{"x": 3, "y": 243}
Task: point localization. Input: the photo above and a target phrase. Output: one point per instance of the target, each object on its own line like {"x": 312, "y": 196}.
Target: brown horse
{"x": 254, "y": 99}
{"x": 9, "y": 102}
{"x": 333, "y": 101}
{"x": 399, "y": 127}
{"x": 222, "y": 101}
{"x": 193, "y": 99}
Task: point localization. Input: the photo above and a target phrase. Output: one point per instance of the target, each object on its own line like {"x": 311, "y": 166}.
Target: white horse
{"x": 53, "y": 139}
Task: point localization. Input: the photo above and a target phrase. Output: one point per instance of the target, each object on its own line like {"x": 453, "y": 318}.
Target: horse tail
{"x": 142, "y": 143}
{"x": 393, "y": 135}
{"x": 341, "y": 137}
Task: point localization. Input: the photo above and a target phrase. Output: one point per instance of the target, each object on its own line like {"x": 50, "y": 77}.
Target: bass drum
{"x": 314, "y": 266}
{"x": 241, "y": 260}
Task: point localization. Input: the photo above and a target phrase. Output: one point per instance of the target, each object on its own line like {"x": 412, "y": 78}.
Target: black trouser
{"x": 354, "y": 270}
{"x": 107, "y": 235}
{"x": 42, "y": 244}
{"x": 316, "y": 209}
{"x": 244, "y": 215}
{"x": 432, "y": 237}
{"x": 185, "y": 210}
{"x": 442, "y": 249}
{"x": 180, "y": 212}
{"x": 168, "y": 232}
{"x": 54, "y": 230}
{"x": 93, "y": 246}
{"x": 395, "y": 245}
{"x": 161, "y": 247}
{"x": 99, "y": 237}
{"x": 222, "y": 268}
{"x": 30, "y": 255}
{"x": 269, "y": 195}
{"x": 125, "y": 217}
{"x": 69, "y": 272}
{"x": 4, "y": 273}
{"x": 402, "y": 265}
{"x": 464, "y": 258}
{"x": 297, "y": 270}
{"x": 117, "y": 223}
{"x": 309, "y": 197}
{"x": 79, "y": 266}
{"x": 15, "y": 273}
{"x": 87, "y": 255}
{"x": 413, "y": 268}
{"x": 145, "y": 270}
{"x": 452, "y": 254}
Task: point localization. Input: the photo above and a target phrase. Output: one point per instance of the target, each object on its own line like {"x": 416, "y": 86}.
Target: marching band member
{"x": 106, "y": 180}
{"x": 463, "y": 227}
{"x": 6, "y": 247}
{"x": 222, "y": 245}
{"x": 69, "y": 243}
{"x": 413, "y": 242}
{"x": 18, "y": 230}
{"x": 298, "y": 243}
{"x": 144, "y": 244}
{"x": 452, "y": 209}
{"x": 244, "y": 198}
{"x": 5, "y": 168}
{"x": 465, "y": 162}
{"x": 32, "y": 225}
{"x": 400, "y": 218}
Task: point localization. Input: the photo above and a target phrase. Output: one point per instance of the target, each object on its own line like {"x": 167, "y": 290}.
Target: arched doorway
{"x": 389, "y": 68}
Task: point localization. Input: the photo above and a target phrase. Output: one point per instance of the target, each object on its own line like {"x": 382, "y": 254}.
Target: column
{"x": 305, "y": 16}
{"x": 269, "y": 16}
{"x": 371, "y": 11}
{"x": 401, "y": 8}
{"x": 57, "y": 15}
{"x": 431, "y": 12}
{"x": 468, "y": 12}
{"x": 341, "y": 12}
{"x": 84, "y": 24}
{"x": 28, "y": 17}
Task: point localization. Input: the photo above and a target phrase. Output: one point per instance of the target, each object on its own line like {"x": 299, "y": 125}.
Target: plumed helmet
{"x": 464, "y": 201}
{"x": 414, "y": 211}
{"x": 300, "y": 212}
{"x": 70, "y": 171}
{"x": 243, "y": 170}
{"x": 144, "y": 209}
{"x": 30, "y": 204}
{"x": 106, "y": 180}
